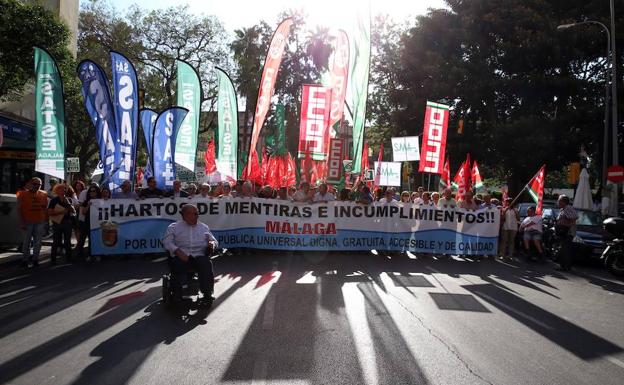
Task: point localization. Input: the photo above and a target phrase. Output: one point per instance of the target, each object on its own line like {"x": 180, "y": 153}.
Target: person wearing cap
{"x": 32, "y": 206}
{"x": 204, "y": 191}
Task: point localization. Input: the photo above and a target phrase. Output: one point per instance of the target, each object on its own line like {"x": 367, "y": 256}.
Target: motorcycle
{"x": 613, "y": 255}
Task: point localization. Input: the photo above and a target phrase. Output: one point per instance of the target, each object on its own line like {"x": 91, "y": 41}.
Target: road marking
{"x": 60, "y": 266}
{"x": 518, "y": 312}
{"x": 260, "y": 372}
{"x": 269, "y": 305}
{"x": 14, "y": 278}
{"x": 159, "y": 259}
{"x": 615, "y": 361}
{"x": 17, "y": 291}
{"x": 16, "y": 301}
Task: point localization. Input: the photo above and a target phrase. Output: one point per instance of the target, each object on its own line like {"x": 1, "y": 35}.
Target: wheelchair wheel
{"x": 166, "y": 291}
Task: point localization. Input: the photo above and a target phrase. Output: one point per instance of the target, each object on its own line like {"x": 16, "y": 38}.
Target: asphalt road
{"x": 294, "y": 318}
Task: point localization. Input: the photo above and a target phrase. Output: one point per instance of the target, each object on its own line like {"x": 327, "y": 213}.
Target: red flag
{"x": 378, "y": 171}
{"x": 209, "y": 157}
{"x": 308, "y": 169}
{"x": 462, "y": 179}
{"x": 536, "y": 189}
{"x": 291, "y": 172}
{"x": 445, "y": 179}
{"x": 264, "y": 167}
{"x": 477, "y": 180}
{"x": 365, "y": 162}
{"x": 434, "y": 138}
{"x": 139, "y": 174}
{"x": 267, "y": 86}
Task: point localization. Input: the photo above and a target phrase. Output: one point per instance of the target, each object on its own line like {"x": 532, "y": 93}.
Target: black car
{"x": 590, "y": 239}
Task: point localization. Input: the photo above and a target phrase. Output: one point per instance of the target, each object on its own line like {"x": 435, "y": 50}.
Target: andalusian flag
{"x": 536, "y": 189}
{"x": 445, "y": 178}
{"x": 477, "y": 181}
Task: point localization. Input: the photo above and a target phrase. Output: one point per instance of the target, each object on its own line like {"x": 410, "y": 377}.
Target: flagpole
{"x": 523, "y": 189}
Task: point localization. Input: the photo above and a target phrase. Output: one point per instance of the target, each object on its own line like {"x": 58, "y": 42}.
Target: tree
{"x": 174, "y": 33}
{"x": 518, "y": 85}
{"x": 23, "y": 26}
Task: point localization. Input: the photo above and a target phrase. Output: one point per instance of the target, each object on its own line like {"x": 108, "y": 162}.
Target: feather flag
{"x": 267, "y": 86}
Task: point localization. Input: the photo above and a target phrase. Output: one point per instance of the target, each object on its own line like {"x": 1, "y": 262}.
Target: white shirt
{"x": 533, "y": 223}
{"x": 510, "y": 220}
{"x": 444, "y": 203}
{"x": 385, "y": 201}
{"x": 192, "y": 240}
{"x": 328, "y": 197}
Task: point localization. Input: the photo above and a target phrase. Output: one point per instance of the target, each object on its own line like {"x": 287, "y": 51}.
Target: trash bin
{"x": 10, "y": 232}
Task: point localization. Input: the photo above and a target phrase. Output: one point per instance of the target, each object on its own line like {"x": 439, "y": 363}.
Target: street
{"x": 314, "y": 318}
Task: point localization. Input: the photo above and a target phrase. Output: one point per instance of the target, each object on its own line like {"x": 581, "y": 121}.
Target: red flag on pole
{"x": 477, "y": 180}
{"x": 264, "y": 167}
{"x": 209, "y": 157}
{"x": 462, "y": 179}
{"x": 365, "y": 162}
{"x": 445, "y": 179}
{"x": 536, "y": 189}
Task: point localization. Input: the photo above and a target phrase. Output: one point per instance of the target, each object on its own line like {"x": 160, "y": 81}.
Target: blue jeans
{"x": 32, "y": 234}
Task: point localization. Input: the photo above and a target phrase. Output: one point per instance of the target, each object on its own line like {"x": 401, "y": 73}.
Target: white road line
{"x": 518, "y": 312}
{"x": 269, "y": 312}
{"x": 17, "y": 291}
{"x": 615, "y": 361}
{"x": 14, "y": 278}
{"x": 260, "y": 372}
{"x": 16, "y": 301}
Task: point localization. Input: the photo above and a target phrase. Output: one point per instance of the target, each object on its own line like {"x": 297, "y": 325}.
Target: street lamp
{"x": 605, "y": 157}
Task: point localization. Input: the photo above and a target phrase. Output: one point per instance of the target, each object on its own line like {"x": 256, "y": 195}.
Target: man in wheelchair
{"x": 190, "y": 244}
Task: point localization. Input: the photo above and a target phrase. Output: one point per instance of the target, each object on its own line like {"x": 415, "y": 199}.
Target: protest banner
{"x": 314, "y": 122}
{"x": 434, "y": 138}
{"x": 405, "y": 149}
{"x": 389, "y": 173}
{"x": 127, "y": 226}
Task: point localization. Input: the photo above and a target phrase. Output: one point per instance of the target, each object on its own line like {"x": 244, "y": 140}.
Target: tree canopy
{"x": 526, "y": 93}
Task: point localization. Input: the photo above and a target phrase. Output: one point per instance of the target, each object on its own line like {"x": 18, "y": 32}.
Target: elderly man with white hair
{"x": 189, "y": 243}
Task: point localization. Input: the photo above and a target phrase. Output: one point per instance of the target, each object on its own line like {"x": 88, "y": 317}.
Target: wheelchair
{"x": 174, "y": 294}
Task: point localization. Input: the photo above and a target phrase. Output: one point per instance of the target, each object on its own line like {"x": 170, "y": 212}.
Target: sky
{"x": 244, "y": 13}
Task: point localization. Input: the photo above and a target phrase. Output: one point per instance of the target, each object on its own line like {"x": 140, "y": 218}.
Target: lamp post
{"x": 605, "y": 157}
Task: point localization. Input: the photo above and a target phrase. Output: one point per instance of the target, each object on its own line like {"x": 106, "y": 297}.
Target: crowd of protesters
{"x": 67, "y": 208}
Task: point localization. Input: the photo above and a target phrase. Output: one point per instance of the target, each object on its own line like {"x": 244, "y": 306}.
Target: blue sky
{"x": 243, "y": 13}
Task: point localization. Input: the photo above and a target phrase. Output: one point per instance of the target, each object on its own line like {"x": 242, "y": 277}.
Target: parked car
{"x": 590, "y": 239}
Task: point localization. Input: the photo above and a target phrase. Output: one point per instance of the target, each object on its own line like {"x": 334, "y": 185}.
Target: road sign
{"x": 72, "y": 165}
{"x": 615, "y": 173}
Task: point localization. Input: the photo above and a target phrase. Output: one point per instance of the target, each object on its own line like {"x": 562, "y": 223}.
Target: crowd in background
{"x": 67, "y": 206}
